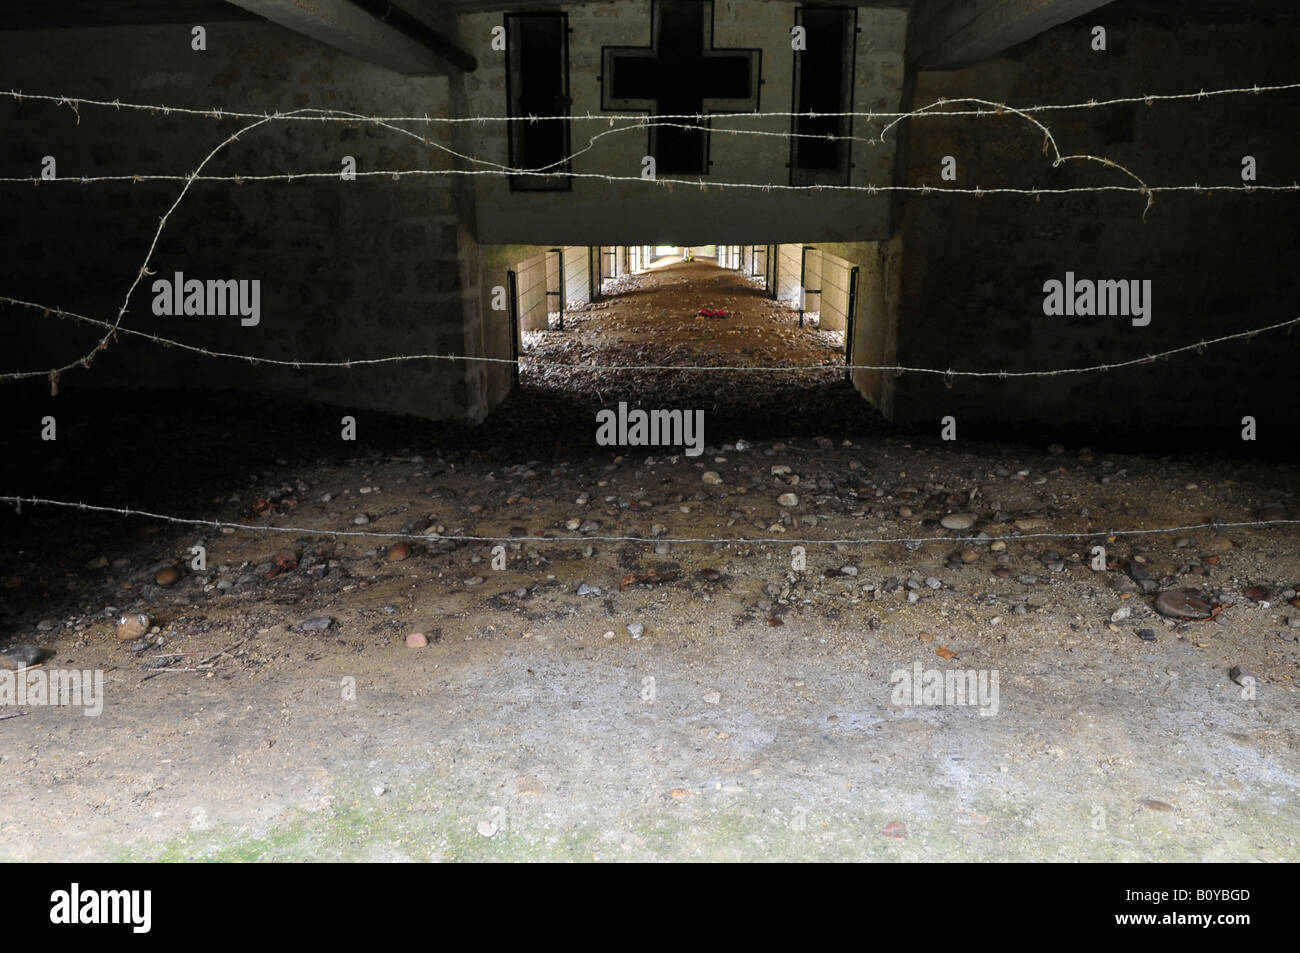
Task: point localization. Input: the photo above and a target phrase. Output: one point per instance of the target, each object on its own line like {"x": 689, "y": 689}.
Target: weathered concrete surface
{"x": 351, "y": 29}
{"x": 950, "y": 34}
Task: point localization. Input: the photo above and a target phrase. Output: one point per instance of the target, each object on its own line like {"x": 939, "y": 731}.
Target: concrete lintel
{"x": 951, "y": 34}
{"x": 350, "y": 27}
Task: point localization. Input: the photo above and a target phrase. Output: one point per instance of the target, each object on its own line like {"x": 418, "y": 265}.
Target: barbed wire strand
{"x": 527, "y": 362}
{"x": 85, "y": 361}
{"x": 556, "y": 168}
{"x": 240, "y": 178}
{"x": 19, "y": 501}
{"x": 703, "y": 184}
{"x": 551, "y": 168}
{"x": 74, "y": 102}
{"x": 639, "y": 123}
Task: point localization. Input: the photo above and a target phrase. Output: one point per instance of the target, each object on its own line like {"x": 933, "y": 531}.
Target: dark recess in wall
{"x": 823, "y": 84}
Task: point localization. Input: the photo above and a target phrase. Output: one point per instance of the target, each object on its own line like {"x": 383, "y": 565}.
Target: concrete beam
{"x": 951, "y": 34}
{"x": 43, "y": 15}
{"x": 409, "y": 37}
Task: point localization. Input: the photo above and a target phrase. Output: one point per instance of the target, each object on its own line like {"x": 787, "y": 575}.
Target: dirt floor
{"x": 646, "y": 699}
{"x": 652, "y": 318}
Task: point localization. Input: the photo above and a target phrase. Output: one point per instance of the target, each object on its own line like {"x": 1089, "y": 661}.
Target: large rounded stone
{"x": 1183, "y": 604}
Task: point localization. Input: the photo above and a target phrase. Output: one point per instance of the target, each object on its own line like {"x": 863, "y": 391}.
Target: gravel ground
{"x": 644, "y": 698}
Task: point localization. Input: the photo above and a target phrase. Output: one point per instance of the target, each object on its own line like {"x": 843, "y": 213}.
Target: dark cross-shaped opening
{"x": 679, "y": 73}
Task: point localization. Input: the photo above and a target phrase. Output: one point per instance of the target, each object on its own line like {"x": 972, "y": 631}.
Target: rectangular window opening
{"x": 823, "y": 83}
{"x": 537, "y": 85}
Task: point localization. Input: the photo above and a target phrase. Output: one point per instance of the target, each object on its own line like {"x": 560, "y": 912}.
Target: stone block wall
{"x": 348, "y": 270}
{"x": 973, "y": 269}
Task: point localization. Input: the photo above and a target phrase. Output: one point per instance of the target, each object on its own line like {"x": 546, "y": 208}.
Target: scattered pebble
{"x": 20, "y": 656}
{"x": 894, "y": 829}
{"x": 398, "y": 551}
{"x": 417, "y": 640}
{"x": 1239, "y": 674}
{"x": 1183, "y": 603}
{"x": 1138, "y": 572}
{"x": 131, "y": 627}
{"x": 167, "y": 576}
{"x": 957, "y": 521}
{"x": 316, "y": 624}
